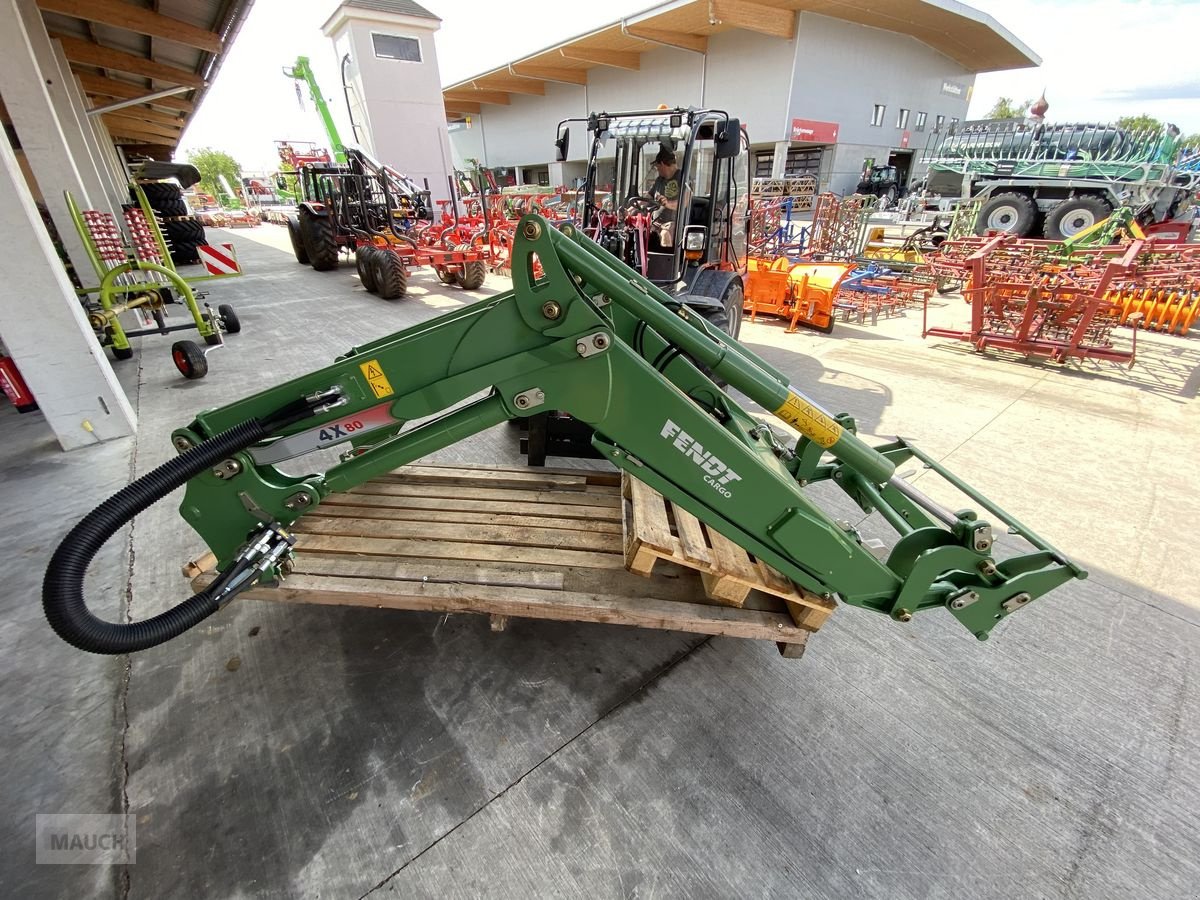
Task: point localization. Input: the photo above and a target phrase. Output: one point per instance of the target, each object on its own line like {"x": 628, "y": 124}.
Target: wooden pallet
{"x": 656, "y": 529}
{"x": 506, "y": 542}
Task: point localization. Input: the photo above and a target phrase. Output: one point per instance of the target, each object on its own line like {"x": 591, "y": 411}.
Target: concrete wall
{"x": 843, "y": 70}
{"x": 404, "y": 113}
{"x": 833, "y": 71}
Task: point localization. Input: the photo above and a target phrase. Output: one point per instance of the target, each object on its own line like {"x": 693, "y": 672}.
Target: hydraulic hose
{"x": 62, "y": 590}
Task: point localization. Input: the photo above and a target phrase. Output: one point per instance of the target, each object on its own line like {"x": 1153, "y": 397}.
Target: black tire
{"x": 473, "y": 275}
{"x": 298, "y": 248}
{"x": 189, "y": 359}
{"x": 391, "y": 278}
{"x": 164, "y": 197}
{"x": 319, "y": 241}
{"x": 184, "y": 231}
{"x": 1075, "y": 215}
{"x": 122, "y": 353}
{"x": 229, "y": 319}
{"x": 728, "y": 316}
{"x": 184, "y": 253}
{"x": 444, "y": 275}
{"x": 364, "y": 261}
{"x": 1011, "y": 212}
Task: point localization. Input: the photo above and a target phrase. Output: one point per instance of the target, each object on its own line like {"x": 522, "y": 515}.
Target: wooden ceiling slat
{"x": 616, "y": 58}
{"x": 99, "y": 86}
{"x": 498, "y": 98}
{"x": 769, "y": 20}
{"x": 696, "y": 42}
{"x": 136, "y": 19}
{"x": 80, "y": 51}
{"x": 549, "y": 73}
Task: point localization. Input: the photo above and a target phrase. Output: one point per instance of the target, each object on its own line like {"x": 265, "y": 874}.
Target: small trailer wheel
{"x": 189, "y": 359}
{"x": 229, "y": 319}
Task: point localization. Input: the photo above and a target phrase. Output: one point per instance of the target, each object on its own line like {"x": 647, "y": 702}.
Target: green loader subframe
{"x": 597, "y": 340}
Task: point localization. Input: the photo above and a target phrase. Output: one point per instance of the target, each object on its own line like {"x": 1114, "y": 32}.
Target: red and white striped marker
{"x": 219, "y": 260}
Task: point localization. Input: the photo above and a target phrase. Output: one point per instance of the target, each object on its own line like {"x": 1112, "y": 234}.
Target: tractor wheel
{"x": 229, "y": 319}
{"x": 1073, "y": 216}
{"x": 320, "y": 243}
{"x": 185, "y": 253}
{"x": 298, "y": 248}
{"x": 728, "y": 317}
{"x": 164, "y": 197}
{"x": 364, "y": 262}
{"x": 472, "y": 275}
{"x": 1011, "y": 212}
{"x": 390, "y": 275}
{"x": 189, "y": 359}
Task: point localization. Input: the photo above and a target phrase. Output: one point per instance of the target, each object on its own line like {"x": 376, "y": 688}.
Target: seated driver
{"x": 668, "y": 189}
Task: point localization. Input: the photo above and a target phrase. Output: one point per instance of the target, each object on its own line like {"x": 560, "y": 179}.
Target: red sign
{"x": 816, "y": 132}
{"x": 904, "y": 139}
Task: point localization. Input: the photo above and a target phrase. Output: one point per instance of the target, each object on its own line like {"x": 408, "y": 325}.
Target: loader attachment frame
{"x": 589, "y": 336}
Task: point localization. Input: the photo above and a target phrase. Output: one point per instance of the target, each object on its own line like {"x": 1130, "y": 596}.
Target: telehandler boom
{"x": 592, "y": 337}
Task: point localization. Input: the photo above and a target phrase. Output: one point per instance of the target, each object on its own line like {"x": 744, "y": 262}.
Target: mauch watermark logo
{"x": 716, "y": 474}
{"x": 86, "y": 839}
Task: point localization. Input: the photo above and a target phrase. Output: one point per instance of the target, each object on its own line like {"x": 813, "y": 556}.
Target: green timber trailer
{"x": 1037, "y": 179}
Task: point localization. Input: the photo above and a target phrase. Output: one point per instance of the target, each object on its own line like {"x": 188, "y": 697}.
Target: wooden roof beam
{"x": 99, "y": 86}
{"x": 549, "y": 73}
{"x": 497, "y": 97}
{"x": 119, "y": 119}
{"x": 619, "y": 59}
{"x": 136, "y": 19}
{"x": 128, "y": 128}
{"x": 510, "y": 84}
{"x": 697, "y": 43}
{"x": 465, "y": 107}
{"x": 88, "y": 54}
{"x": 768, "y": 20}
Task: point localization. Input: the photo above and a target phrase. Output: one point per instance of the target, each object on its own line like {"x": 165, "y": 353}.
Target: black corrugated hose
{"x": 62, "y": 590}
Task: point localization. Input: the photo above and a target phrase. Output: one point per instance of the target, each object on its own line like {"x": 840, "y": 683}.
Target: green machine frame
{"x": 593, "y": 338}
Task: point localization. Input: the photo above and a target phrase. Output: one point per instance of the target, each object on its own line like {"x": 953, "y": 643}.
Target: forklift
{"x": 702, "y": 265}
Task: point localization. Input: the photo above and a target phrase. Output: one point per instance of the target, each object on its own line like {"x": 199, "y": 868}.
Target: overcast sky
{"x": 1101, "y": 59}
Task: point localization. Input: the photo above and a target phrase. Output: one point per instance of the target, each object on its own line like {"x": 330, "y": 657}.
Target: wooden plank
{"x": 453, "y": 550}
{"x": 730, "y": 559}
{"x": 584, "y": 514}
{"x": 724, "y": 588}
{"x": 85, "y": 52}
{"x": 98, "y": 85}
{"x": 466, "y": 518}
{"x": 136, "y": 19}
{"x": 422, "y": 571}
{"x": 650, "y": 518}
{"x": 582, "y": 498}
{"x": 534, "y": 604}
{"x": 691, "y": 538}
{"x": 550, "y": 73}
{"x": 449, "y": 532}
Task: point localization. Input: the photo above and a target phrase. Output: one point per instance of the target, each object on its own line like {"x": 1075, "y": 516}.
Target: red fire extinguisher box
{"x": 15, "y": 387}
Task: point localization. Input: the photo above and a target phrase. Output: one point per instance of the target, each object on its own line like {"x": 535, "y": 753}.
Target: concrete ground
{"x": 284, "y": 751}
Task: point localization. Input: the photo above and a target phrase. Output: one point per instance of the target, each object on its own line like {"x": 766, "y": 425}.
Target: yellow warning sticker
{"x": 376, "y": 379}
{"x": 812, "y": 422}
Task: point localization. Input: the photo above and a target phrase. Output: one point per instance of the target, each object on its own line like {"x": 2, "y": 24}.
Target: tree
{"x": 1004, "y": 108}
{"x": 212, "y": 164}
{"x": 1141, "y": 122}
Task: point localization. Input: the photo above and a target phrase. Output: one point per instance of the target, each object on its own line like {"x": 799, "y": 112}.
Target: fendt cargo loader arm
{"x": 595, "y": 339}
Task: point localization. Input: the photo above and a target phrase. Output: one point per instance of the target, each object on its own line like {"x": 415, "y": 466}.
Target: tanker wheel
{"x": 391, "y": 277}
{"x": 319, "y": 241}
{"x": 1011, "y": 212}
{"x": 1072, "y": 216}
{"x": 364, "y": 261}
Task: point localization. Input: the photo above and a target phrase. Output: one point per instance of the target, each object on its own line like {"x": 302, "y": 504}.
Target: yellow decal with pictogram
{"x": 373, "y": 372}
{"x": 812, "y": 421}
